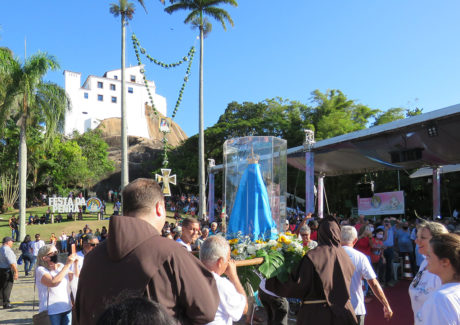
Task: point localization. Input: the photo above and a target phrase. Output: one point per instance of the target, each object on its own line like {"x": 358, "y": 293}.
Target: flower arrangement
{"x": 280, "y": 256}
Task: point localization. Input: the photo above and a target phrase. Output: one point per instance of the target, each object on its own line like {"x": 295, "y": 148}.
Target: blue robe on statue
{"x": 251, "y": 214}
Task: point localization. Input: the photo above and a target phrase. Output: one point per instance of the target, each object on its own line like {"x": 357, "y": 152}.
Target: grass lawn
{"x": 46, "y": 230}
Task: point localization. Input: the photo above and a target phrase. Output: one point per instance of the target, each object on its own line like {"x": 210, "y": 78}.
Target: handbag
{"x": 20, "y": 260}
{"x": 41, "y": 318}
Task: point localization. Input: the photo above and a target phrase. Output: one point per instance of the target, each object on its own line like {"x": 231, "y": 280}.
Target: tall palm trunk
{"x": 22, "y": 175}
{"x": 201, "y": 172}
{"x": 124, "y": 136}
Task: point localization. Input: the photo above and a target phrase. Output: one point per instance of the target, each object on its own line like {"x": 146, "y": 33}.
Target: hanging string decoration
{"x": 188, "y": 58}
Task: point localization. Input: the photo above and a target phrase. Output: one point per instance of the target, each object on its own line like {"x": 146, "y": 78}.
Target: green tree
{"x": 94, "y": 149}
{"x": 334, "y": 114}
{"x": 31, "y": 101}
{"x": 390, "y": 115}
{"x": 198, "y": 9}
{"x": 66, "y": 167}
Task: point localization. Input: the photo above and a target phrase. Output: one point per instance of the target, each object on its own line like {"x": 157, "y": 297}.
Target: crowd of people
{"x": 150, "y": 270}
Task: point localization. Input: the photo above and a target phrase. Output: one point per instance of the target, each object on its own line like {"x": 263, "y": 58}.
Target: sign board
{"x": 382, "y": 204}
{"x": 65, "y": 204}
{"x": 93, "y": 205}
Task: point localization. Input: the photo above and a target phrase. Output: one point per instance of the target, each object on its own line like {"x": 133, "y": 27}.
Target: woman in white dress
{"x": 443, "y": 306}
{"x": 424, "y": 282}
{"x": 52, "y": 280}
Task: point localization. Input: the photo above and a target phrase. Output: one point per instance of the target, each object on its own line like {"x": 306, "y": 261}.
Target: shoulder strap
{"x": 48, "y": 289}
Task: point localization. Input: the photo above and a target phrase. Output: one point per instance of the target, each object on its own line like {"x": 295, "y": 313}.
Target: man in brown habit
{"x": 136, "y": 258}
{"x": 322, "y": 280}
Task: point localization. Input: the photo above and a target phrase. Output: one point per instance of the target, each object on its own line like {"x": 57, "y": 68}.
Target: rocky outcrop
{"x": 142, "y": 152}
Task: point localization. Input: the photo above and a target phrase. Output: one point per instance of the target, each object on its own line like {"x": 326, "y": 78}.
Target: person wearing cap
{"x": 8, "y": 271}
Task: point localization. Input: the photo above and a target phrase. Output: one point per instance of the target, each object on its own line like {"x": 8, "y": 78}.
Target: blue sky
{"x": 382, "y": 54}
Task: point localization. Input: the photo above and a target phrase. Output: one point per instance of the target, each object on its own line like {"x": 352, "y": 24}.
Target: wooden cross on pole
{"x": 166, "y": 179}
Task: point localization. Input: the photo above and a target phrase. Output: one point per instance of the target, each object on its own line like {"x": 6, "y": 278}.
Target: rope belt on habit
{"x": 308, "y": 302}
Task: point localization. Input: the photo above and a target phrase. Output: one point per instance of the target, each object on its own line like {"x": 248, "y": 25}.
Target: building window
{"x": 133, "y": 78}
{"x": 130, "y": 90}
{"x": 112, "y": 87}
{"x": 100, "y": 98}
{"x": 85, "y": 95}
{"x": 100, "y": 84}
{"x": 115, "y": 77}
{"x": 114, "y": 99}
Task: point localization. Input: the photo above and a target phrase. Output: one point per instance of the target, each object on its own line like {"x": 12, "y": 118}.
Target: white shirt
{"x": 63, "y": 237}
{"x": 36, "y": 245}
{"x": 231, "y": 305}
{"x": 74, "y": 282}
{"x": 180, "y": 241}
{"x": 59, "y": 296}
{"x": 427, "y": 284}
{"x": 442, "y": 307}
{"x": 363, "y": 269}
{"x": 80, "y": 259}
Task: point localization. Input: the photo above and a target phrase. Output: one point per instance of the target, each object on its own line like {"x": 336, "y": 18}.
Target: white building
{"x": 100, "y": 98}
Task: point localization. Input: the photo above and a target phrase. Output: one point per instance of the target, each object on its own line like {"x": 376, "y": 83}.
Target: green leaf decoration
{"x": 273, "y": 261}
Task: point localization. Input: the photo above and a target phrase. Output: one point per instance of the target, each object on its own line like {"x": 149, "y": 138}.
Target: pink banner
{"x": 382, "y": 203}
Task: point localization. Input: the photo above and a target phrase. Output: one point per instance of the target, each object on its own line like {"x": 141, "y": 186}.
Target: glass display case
{"x": 255, "y": 186}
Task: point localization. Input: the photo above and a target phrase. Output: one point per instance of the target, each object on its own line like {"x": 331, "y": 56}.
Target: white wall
{"x": 89, "y": 112}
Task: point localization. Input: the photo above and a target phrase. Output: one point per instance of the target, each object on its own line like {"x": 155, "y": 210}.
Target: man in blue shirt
{"x": 388, "y": 252}
{"x": 405, "y": 246}
{"x": 8, "y": 271}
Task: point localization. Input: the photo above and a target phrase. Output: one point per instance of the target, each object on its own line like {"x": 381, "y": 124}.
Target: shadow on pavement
{"x": 17, "y": 321}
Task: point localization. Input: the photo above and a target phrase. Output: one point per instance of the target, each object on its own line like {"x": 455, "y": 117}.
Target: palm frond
{"x": 195, "y": 15}
{"x": 213, "y": 3}
{"x": 207, "y": 26}
{"x": 50, "y": 106}
{"x": 115, "y": 9}
{"x": 220, "y": 15}
{"x": 183, "y": 5}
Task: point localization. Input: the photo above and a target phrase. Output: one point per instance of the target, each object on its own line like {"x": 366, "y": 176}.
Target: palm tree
{"x": 125, "y": 10}
{"x": 198, "y": 9}
{"x": 33, "y": 103}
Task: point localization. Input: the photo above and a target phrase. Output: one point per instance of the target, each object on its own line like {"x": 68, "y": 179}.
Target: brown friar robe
{"x": 134, "y": 256}
{"x": 324, "y": 273}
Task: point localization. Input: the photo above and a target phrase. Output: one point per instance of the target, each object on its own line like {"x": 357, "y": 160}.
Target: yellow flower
{"x": 273, "y": 248}
{"x": 233, "y": 241}
{"x": 284, "y": 240}
{"x": 258, "y": 241}
{"x": 235, "y": 252}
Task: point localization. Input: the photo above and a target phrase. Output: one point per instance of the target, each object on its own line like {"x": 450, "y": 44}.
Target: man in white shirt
{"x": 89, "y": 242}
{"x": 63, "y": 239}
{"x": 363, "y": 269}
{"x": 190, "y": 233}
{"x": 215, "y": 255}
{"x": 36, "y": 245}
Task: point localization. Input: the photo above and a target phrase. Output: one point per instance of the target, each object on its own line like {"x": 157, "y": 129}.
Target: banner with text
{"x": 66, "y": 205}
{"x": 382, "y": 203}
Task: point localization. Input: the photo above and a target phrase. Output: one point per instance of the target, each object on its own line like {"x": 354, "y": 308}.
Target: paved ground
{"x": 21, "y": 298}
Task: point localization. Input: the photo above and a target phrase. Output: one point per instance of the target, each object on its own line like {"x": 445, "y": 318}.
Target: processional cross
{"x": 165, "y": 178}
